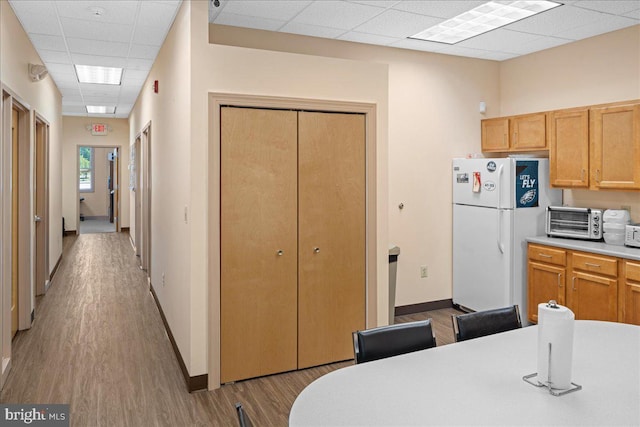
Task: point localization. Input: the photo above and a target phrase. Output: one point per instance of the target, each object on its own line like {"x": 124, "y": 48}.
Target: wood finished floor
{"x": 98, "y": 344}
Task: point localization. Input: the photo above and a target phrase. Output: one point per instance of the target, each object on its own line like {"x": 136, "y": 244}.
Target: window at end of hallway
{"x": 85, "y": 161}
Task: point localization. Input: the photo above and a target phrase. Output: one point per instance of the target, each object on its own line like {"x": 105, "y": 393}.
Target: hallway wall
{"x": 76, "y": 134}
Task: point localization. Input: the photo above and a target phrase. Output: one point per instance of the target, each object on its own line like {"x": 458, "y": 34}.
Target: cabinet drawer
{"x": 632, "y": 271}
{"x": 595, "y": 264}
{"x": 548, "y": 255}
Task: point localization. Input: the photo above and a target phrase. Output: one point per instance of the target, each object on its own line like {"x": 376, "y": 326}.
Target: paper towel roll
{"x": 555, "y": 327}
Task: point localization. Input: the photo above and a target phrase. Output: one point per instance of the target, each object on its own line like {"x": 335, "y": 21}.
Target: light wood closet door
{"x": 331, "y": 235}
{"x": 258, "y": 242}
{"x": 569, "y": 148}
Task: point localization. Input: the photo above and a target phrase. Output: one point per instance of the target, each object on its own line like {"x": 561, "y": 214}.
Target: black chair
{"x": 474, "y": 325}
{"x": 392, "y": 340}
{"x": 243, "y": 417}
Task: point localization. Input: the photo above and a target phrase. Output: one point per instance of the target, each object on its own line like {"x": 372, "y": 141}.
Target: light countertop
{"x": 588, "y": 246}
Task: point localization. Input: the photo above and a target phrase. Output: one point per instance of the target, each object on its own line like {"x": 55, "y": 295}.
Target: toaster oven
{"x": 576, "y": 223}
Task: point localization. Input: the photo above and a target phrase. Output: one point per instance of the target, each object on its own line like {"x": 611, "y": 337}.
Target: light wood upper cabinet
{"x": 526, "y": 132}
{"x": 569, "y": 148}
{"x": 615, "y": 146}
{"x": 495, "y": 134}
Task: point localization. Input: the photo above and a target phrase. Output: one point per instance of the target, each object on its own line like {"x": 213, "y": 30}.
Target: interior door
{"x": 115, "y": 181}
{"x": 41, "y": 197}
{"x": 331, "y": 218}
{"x": 14, "y": 220}
{"x": 258, "y": 217}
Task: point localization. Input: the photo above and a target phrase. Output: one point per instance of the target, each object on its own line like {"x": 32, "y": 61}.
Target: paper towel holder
{"x": 531, "y": 379}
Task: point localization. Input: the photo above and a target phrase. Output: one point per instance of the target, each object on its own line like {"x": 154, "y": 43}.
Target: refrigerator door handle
{"x": 500, "y": 244}
{"x": 500, "y": 171}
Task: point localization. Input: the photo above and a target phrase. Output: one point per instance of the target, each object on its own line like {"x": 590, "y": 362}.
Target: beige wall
{"x": 75, "y": 134}
{"x": 16, "y": 52}
{"x": 597, "y": 70}
{"x": 432, "y": 117}
{"x": 169, "y": 112}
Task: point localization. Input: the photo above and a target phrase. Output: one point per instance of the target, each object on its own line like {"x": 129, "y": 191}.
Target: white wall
{"x": 75, "y": 134}
{"x": 597, "y": 70}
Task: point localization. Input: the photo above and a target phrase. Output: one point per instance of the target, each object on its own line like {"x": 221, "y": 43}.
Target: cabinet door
{"x": 495, "y": 134}
{"x": 331, "y": 235}
{"x": 631, "y": 298}
{"x": 545, "y": 283}
{"x": 593, "y": 297}
{"x": 569, "y": 148}
{"x": 529, "y": 132}
{"x": 258, "y": 218}
{"x": 615, "y": 147}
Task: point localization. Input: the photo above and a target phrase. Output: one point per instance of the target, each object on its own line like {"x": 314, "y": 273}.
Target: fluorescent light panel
{"x": 482, "y": 19}
{"x": 99, "y": 75}
{"x": 100, "y": 109}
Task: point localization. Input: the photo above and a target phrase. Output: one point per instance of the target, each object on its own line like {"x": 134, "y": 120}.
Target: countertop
{"x": 588, "y": 246}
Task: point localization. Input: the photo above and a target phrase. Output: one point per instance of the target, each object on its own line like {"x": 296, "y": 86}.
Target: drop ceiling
{"x": 126, "y": 34}
{"x": 129, "y": 34}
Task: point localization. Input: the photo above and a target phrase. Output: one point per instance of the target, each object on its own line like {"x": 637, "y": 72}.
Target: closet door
{"x": 258, "y": 242}
{"x": 331, "y": 227}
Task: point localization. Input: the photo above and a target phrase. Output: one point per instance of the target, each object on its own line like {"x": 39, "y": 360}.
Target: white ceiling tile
{"x": 635, "y": 14}
{"x": 97, "y": 30}
{"x": 136, "y": 74}
{"x": 538, "y": 44}
{"x": 37, "y": 16}
{"x": 337, "y": 14}
{"x": 498, "y": 56}
{"x": 54, "y": 56}
{"x": 101, "y": 100}
{"x": 249, "y": 22}
{"x": 611, "y": 23}
{"x": 501, "y": 40}
{"x": 102, "y": 61}
{"x": 139, "y": 64}
{"x": 60, "y": 68}
{"x": 159, "y": 14}
{"x": 149, "y": 35}
{"x": 377, "y": 3}
{"x": 97, "y": 47}
{"x": 69, "y": 99}
{"x": 70, "y": 92}
{"x": 120, "y": 11}
{"x": 48, "y": 42}
{"x": 99, "y": 89}
{"x": 353, "y": 36}
{"x": 65, "y": 79}
{"x": 68, "y": 109}
{"x": 421, "y": 45}
{"x": 440, "y": 9}
{"x": 395, "y": 23}
{"x": 464, "y": 51}
{"x": 555, "y": 21}
{"x": 615, "y": 7}
{"x": 141, "y": 51}
{"x": 271, "y": 9}
{"x": 311, "y": 30}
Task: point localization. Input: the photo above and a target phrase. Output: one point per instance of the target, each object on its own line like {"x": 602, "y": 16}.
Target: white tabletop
{"x": 479, "y": 382}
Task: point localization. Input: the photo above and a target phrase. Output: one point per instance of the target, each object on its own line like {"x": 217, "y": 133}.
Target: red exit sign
{"x": 98, "y": 129}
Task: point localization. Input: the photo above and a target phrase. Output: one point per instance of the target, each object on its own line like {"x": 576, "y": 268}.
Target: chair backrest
{"x": 474, "y": 325}
{"x": 392, "y": 340}
{"x": 243, "y": 417}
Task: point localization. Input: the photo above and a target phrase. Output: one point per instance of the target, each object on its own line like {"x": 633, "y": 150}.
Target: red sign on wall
{"x": 98, "y": 129}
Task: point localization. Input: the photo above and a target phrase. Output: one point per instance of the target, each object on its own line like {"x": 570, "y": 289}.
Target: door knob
{"x": 280, "y": 252}
{"x": 316, "y": 250}
{"x": 36, "y": 218}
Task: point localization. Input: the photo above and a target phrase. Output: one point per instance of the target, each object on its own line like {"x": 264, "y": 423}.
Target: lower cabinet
{"x": 594, "y": 287}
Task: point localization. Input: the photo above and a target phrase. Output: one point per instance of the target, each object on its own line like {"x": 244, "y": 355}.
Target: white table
{"x": 479, "y": 382}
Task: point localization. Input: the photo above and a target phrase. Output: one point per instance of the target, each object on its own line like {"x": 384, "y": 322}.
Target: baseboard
{"x": 124, "y": 229}
{"x": 54, "y": 271}
{"x": 199, "y": 382}
{"x": 423, "y": 306}
{"x": 69, "y": 232}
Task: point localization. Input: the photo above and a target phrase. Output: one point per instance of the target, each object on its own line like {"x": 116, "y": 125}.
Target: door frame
{"x": 216, "y": 101}
{"x": 145, "y": 199}
{"x": 137, "y": 189}
{"x": 41, "y": 196}
{"x": 117, "y": 180}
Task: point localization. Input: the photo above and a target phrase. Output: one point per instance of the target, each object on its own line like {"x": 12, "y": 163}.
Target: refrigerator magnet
{"x": 476, "y": 182}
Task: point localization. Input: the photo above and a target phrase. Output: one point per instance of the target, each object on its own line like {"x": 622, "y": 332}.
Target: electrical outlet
{"x": 423, "y": 271}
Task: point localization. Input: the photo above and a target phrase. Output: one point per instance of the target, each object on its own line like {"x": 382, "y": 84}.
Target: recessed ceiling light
{"x": 99, "y": 75}
{"x": 482, "y": 19}
{"x": 100, "y": 109}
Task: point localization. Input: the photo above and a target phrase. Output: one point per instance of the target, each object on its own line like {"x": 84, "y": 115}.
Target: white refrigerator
{"x": 497, "y": 203}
